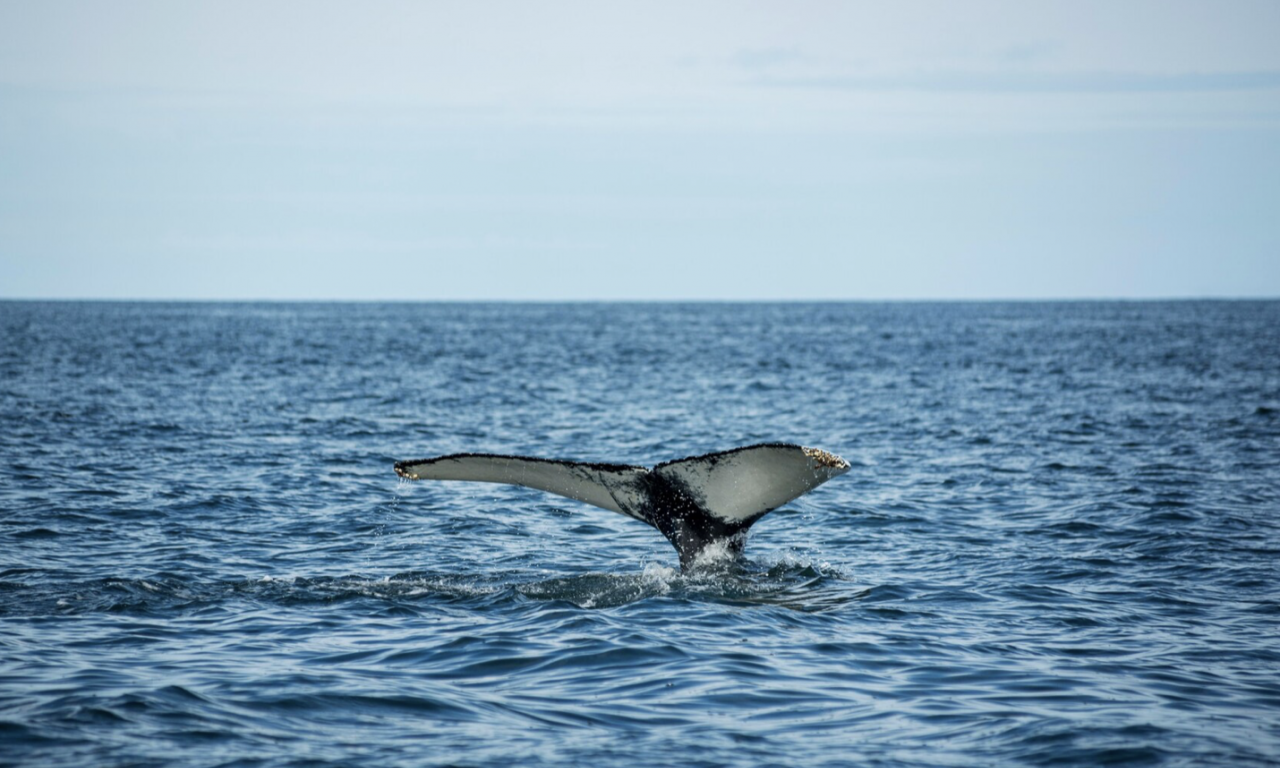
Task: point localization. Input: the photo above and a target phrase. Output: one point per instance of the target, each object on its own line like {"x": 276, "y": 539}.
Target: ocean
{"x": 1057, "y": 545}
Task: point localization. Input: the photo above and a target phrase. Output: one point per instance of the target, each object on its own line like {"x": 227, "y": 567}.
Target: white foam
{"x": 658, "y": 572}
{"x": 715, "y": 554}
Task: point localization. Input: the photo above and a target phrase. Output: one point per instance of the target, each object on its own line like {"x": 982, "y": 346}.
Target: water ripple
{"x": 1057, "y": 545}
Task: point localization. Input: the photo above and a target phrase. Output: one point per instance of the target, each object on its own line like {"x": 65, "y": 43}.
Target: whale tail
{"x": 695, "y": 502}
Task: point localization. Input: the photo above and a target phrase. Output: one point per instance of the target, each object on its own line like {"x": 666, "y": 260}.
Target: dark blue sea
{"x": 1058, "y": 544}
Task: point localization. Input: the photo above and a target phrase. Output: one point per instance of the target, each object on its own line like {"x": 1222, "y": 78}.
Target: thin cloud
{"x": 766, "y": 58}
{"x": 1005, "y": 82}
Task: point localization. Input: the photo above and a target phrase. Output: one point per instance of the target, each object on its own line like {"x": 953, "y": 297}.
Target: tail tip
{"x": 825, "y": 460}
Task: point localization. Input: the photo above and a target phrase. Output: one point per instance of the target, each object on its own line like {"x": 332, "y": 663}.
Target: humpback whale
{"x": 694, "y": 502}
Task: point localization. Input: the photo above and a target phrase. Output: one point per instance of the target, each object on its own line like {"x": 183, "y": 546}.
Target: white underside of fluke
{"x": 733, "y": 486}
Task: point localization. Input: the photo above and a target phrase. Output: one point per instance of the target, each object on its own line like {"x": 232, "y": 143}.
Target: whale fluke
{"x": 694, "y": 502}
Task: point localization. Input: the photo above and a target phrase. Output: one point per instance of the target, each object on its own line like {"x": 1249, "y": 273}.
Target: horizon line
{"x": 641, "y": 300}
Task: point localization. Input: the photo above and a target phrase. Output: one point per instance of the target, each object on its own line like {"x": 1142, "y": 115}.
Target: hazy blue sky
{"x": 722, "y": 150}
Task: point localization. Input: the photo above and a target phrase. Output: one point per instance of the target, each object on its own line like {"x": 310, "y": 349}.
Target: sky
{"x": 927, "y": 149}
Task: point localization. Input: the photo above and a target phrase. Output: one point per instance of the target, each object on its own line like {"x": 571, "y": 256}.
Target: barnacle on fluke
{"x": 825, "y": 459}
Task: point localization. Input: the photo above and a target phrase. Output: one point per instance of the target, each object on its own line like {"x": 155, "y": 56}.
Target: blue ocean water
{"x": 1057, "y": 546}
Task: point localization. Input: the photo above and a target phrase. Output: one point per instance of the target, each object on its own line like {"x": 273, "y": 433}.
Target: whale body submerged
{"x": 696, "y": 502}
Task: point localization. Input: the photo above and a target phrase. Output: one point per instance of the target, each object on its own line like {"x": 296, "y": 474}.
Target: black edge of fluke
{"x": 401, "y": 466}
